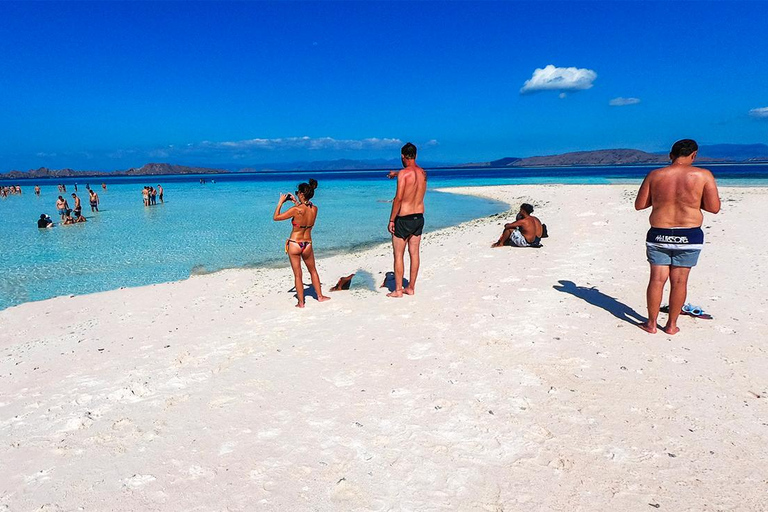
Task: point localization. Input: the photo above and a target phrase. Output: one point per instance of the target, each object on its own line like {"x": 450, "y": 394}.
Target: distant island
{"x": 716, "y": 153}
{"x": 146, "y": 170}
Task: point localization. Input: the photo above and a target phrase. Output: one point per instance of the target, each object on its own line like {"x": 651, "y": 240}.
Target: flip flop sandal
{"x": 695, "y": 311}
{"x": 689, "y": 310}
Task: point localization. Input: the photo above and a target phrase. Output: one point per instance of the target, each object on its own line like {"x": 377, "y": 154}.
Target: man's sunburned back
{"x": 531, "y": 228}
{"x": 676, "y": 195}
{"x": 414, "y": 181}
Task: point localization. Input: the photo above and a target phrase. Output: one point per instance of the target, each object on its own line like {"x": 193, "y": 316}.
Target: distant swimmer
{"x": 406, "y": 220}
{"x": 160, "y": 193}
{"x": 62, "y": 207}
{"x": 104, "y": 186}
{"x": 526, "y": 231}
{"x": 37, "y": 190}
{"x": 78, "y": 207}
{"x": 94, "y": 200}
{"x": 677, "y": 194}
{"x": 44, "y": 221}
{"x": 299, "y": 244}
{"x": 79, "y": 218}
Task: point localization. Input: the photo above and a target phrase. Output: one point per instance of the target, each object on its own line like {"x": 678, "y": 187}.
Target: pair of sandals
{"x": 690, "y": 310}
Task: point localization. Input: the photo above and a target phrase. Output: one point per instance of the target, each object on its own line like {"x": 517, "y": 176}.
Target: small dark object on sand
{"x": 343, "y": 283}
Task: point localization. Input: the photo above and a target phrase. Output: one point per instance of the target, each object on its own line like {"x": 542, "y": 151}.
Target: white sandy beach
{"x": 514, "y": 380}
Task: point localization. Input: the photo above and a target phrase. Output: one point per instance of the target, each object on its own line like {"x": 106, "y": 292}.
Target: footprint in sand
{"x": 227, "y": 447}
{"x": 40, "y": 476}
{"x": 418, "y": 350}
{"x": 77, "y": 424}
{"x": 137, "y": 481}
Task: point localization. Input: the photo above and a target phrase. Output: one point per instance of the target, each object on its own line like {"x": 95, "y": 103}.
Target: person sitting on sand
{"x": 44, "y": 221}
{"x": 299, "y": 244}
{"x": 526, "y": 231}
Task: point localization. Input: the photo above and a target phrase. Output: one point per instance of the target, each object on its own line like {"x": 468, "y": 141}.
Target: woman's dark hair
{"x": 308, "y": 189}
{"x": 684, "y": 147}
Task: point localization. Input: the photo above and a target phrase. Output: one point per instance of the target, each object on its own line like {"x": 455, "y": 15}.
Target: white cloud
{"x": 308, "y": 143}
{"x": 760, "y": 113}
{"x": 552, "y": 78}
{"x": 623, "y": 102}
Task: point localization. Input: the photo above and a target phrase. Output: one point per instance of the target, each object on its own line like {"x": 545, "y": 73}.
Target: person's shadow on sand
{"x": 601, "y": 300}
{"x": 309, "y": 291}
{"x": 389, "y": 282}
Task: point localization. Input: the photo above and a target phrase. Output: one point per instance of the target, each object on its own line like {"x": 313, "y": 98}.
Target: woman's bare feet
{"x": 395, "y": 294}
{"x": 671, "y": 330}
{"x": 647, "y": 327}
{"x": 323, "y": 298}
{"x": 409, "y": 291}
{"x": 300, "y": 305}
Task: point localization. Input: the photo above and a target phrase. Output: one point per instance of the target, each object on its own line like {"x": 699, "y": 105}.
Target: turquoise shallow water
{"x": 199, "y": 228}
{"x": 204, "y": 228}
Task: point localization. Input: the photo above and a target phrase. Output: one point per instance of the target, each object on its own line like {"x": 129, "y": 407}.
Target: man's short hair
{"x": 526, "y": 208}
{"x": 409, "y": 151}
{"x": 685, "y": 147}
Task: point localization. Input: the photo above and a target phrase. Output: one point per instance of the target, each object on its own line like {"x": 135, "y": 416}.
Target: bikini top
{"x": 303, "y": 227}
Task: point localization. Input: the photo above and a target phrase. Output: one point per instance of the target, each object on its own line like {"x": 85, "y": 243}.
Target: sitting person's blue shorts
{"x": 676, "y": 247}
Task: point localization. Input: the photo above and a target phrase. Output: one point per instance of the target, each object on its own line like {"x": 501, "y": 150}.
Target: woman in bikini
{"x": 299, "y": 244}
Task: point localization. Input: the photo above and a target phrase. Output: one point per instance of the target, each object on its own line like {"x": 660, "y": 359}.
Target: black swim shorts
{"x": 409, "y": 225}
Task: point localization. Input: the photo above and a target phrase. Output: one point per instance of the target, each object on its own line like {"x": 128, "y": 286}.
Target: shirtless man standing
{"x": 62, "y": 207}
{"x": 677, "y": 194}
{"x": 78, "y": 207}
{"x": 406, "y": 221}
{"x": 94, "y": 200}
{"x": 526, "y": 231}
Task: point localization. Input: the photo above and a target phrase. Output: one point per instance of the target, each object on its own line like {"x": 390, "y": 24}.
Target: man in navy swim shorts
{"x": 676, "y": 194}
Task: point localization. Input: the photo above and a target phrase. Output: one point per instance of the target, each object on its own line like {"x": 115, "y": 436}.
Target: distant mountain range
{"x": 146, "y": 170}
{"x": 724, "y": 153}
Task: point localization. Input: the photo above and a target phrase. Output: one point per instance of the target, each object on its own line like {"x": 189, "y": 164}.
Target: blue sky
{"x": 110, "y": 85}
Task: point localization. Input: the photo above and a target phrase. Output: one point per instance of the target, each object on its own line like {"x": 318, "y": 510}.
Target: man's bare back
{"x": 531, "y": 228}
{"x": 413, "y": 181}
{"x": 678, "y": 193}
{"x": 406, "y": 220}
